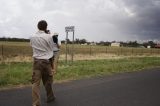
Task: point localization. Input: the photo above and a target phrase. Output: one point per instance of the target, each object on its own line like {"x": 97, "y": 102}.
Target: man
{"x": 56, "y": 51}
{"x": 43, "y": 47}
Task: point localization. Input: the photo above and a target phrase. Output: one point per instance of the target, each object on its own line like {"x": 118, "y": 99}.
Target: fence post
{"x": 73, "y": 47}
{"x": 2, "y": 52}
{"x": 151, "y": 51}
{"x": 90, "y": 50}
{"x": 121, "y": 51}
{"x": 106, "y": 49}
{"x": 142, "y": 51}
{"x": 132, "y": 51}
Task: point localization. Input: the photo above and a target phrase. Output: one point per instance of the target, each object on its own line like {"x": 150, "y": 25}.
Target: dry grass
{"x": 92, "y": 57}
{"x": 77, "y": 57}
{"x": 18, "y": 59}
{"x": 22, "y": 52}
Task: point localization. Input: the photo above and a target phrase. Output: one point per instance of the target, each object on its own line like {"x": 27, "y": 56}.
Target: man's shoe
{"x": 51, "y": 99}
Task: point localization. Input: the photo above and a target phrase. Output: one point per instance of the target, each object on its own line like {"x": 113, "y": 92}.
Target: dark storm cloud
{"x": 146, "y": 22}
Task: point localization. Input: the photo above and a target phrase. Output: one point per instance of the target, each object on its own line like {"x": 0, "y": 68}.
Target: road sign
{"x": 69, "y": 29}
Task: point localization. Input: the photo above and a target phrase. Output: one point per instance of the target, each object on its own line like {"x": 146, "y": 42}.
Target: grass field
{"x": 21, "y": 51}
{"x": 19, "y": 73}
{"x": 16, "y": 62}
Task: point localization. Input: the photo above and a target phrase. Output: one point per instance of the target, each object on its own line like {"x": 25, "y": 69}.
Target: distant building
{"x": 115, "y": 44}
{"x": 148, "y": 46}
{"x": 93, "y": 43}
{"x": 157, "y": 46}
{"x": 84, "y": 44}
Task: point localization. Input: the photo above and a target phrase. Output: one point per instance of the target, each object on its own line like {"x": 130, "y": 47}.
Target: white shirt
{"x": 42, "y": 45}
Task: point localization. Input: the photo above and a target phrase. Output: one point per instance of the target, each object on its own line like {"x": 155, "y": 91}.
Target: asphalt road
{"x": 129, "y": 89}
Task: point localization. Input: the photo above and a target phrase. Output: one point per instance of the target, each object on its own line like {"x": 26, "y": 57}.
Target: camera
{"x": 47, "y": 31}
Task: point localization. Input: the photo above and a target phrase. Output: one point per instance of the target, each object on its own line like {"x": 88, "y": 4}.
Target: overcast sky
{"x": 94, "y": 20}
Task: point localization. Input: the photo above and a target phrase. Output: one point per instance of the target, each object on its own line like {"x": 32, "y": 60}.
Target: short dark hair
{"x": 42, "y": 25}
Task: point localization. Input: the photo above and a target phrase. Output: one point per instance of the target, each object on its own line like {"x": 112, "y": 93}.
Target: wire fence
{"x": 11, "y": 51}
{"x": 92, "y": 50}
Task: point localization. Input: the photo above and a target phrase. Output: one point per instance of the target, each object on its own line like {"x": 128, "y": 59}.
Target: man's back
{"x": 42, "y": 45}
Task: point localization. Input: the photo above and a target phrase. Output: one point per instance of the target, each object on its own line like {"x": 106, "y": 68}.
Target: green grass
{"x": 20, "y": 73}
{"x": 15, "y": 73}
{"x": 90, "y": 68}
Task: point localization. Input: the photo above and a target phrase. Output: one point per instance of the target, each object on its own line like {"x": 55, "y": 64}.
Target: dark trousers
{"x": 41, "y": 70}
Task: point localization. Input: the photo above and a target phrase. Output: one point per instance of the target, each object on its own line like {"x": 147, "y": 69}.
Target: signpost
{"x": 69, "y": 29}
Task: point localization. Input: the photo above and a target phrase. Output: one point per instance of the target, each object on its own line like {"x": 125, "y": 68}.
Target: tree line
{"x": 107, "y": 43}
{"x": 14, "y": 39}
{"x": 84, "y": 41}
